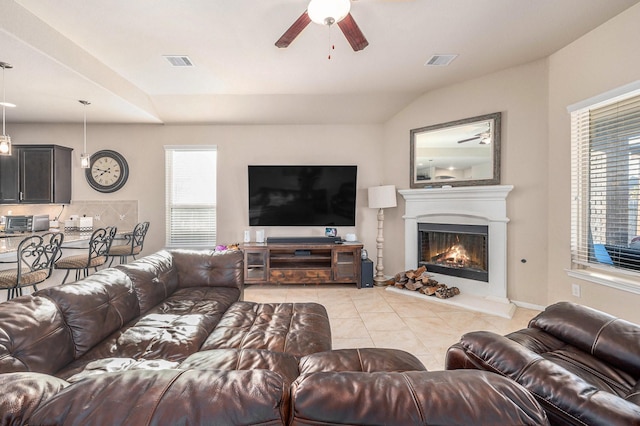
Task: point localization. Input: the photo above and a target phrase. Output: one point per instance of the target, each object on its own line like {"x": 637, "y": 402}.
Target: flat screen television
{"x": 302, "y": 195}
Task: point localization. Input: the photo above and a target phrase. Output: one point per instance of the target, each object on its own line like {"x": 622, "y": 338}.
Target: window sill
{"x": 606, "y": 279}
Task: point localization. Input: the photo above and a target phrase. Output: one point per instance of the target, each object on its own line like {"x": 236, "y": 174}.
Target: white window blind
{"x": 605, "y": 219}
{"x": 190, "y": 196}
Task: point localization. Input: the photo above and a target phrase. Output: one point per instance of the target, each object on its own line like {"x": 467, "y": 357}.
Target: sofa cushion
{"x": 201, "y": 268}
{"x": 153, "y": 277}
{"x": 23, "y": 392}
{"x": 112, "y": 365}
{"x": 173, "y": 330}
{"x": 295, "y": 328}
{"x": 168, "y": 397}
{"x": 461, "y": 397}
{"x": 365, "y": 359}
{"x": 33, "y": 336}
{"x": 95, "y": 307}
{"x": 285, "y": 365}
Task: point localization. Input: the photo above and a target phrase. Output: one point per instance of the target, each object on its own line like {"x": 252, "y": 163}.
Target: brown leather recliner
{"x": 582, "y": 365}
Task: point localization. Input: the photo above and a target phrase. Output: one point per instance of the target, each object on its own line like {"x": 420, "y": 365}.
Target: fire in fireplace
{"x": 455, "y": 250}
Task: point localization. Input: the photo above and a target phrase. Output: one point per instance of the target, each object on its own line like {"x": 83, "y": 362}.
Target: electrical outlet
{"x": 575, "y": 290}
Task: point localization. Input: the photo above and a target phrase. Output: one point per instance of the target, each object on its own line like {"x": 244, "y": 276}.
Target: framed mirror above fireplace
{"x": 457, "y": 153}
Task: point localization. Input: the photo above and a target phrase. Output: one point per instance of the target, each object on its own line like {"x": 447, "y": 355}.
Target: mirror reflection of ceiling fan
{"x": 485, "y": 137}
{"x": 328, "y": 12}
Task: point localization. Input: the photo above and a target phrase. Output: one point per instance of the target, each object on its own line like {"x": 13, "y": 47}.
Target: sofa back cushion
{"x": 208, "y": 268}
{"x": 33, "y": 336}
{"x": 604, "y": 336}
{"x": 154, "y": 278}
{"x": 169, "y": 397}
{"x": 95, "y": 307}
{"x": 461, "y": 397}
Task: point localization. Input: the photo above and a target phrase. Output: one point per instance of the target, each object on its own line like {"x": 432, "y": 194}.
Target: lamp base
{"x": 379, "y": 281}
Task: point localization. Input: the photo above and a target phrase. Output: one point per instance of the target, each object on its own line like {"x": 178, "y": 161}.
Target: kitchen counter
{"x": 9, "y": 242}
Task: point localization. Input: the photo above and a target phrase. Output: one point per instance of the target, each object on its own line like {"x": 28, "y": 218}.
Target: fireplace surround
{"x": 483, "y": 206}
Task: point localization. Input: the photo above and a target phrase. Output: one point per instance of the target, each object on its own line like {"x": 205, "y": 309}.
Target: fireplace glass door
{"x": 455, "y": 250}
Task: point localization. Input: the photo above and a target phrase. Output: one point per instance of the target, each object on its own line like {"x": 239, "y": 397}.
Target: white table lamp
{"x": 381, "y": 197}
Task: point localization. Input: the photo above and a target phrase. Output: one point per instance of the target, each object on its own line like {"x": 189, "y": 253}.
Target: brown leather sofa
{"x": 582, "y": 365}
{"x": 168, "y": 340}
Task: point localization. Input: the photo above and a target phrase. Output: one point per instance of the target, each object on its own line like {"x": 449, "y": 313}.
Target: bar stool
{"x": 133, "y": 246}
{"x": 36, "y": 257}
{"x": 99, "y": 245}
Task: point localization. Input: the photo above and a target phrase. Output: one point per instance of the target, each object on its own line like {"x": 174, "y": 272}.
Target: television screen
{"x": 302, "y": 195}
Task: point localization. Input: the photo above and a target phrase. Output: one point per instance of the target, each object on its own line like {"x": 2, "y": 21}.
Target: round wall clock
{"x": 109, "y": 171}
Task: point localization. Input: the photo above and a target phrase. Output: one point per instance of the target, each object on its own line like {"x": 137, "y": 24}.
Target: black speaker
{"x": 366, "y": 274}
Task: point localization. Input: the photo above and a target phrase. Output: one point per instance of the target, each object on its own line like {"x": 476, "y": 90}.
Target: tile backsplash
{"x": 123, "y": 214}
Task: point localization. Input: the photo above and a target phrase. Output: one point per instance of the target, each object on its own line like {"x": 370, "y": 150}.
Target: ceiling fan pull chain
{"x": 331, "y": 45}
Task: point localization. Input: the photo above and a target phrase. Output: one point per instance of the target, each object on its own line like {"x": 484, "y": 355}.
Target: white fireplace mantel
{"x": 478, "y": 205}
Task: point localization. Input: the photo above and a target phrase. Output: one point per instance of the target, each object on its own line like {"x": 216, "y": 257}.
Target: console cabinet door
{"x": 346, "y": 264}
{"x": 255, "y": 265}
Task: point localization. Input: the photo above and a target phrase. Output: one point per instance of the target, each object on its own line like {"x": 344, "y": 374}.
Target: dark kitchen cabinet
{"x": 10, "y": 178}
{"x": 44, "y": 175}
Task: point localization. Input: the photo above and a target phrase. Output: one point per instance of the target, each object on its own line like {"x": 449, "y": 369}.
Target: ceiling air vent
{"x": 440, "y": 60}
{"x": 179, "y": 61}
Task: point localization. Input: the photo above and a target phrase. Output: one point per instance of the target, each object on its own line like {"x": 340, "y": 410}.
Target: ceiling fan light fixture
{"x": 328, "y": 12}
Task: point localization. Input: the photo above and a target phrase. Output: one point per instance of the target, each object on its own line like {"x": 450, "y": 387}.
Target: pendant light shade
{"x": 5, "y": 140}
{"x": 85, "y": 157}
{"x": 328, "y": 12}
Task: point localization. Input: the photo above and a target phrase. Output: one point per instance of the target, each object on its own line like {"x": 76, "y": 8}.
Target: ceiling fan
{"x": 327, "y": 12}
{"x": 485, "y": 137}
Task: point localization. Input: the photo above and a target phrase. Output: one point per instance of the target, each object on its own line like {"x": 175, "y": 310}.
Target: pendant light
{"x": 85, "y": 157}
{"x": 5, "y": 140}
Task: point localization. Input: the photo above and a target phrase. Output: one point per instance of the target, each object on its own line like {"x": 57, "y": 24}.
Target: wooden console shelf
{"x": 302, "y": 263}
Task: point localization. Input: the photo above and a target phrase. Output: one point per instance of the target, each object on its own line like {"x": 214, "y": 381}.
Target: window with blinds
{"x": 605, "y": 220}
{"x": 190, "y": 196}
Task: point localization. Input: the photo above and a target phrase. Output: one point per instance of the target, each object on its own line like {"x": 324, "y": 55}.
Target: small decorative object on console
{"x": 331, "y": 232}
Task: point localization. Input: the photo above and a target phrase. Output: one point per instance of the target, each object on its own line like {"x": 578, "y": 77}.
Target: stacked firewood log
{"x": 420, "y": 280}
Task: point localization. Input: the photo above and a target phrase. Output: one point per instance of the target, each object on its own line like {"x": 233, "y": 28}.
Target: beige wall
{"x": 600, "y": 61}
{"x": 238, "y": 146}
{"x": 520, "y": 94}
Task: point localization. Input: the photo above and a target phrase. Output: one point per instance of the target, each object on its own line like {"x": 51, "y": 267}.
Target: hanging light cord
{"x": 4, "y": 104}
{"x": 85, "y": 127}
{"x": 85, "y": 103}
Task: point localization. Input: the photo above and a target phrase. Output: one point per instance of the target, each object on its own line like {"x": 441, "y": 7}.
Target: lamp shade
{"x": 382, "y": 197}
{"x": 328, "y": 12}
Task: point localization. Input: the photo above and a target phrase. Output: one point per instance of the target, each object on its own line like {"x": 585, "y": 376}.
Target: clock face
{"x": 108, "y": 172}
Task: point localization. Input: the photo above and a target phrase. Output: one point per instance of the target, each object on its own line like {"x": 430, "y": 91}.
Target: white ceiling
{"x": 111, "y": 54}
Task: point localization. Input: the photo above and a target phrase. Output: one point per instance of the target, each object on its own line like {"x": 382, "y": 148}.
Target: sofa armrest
{"x": 492, "y": 352}
{"x": 23, "y": 392}
{"x": 605, "y": 337}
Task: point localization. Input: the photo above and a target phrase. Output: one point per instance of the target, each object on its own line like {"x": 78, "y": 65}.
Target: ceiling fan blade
{"x": 294, "y": 30}
{"x": 470, "y": 139}
{"x": 352, "y": 32}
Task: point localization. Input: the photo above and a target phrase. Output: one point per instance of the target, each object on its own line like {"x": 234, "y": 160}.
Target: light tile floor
{"x": 374, "y": 317}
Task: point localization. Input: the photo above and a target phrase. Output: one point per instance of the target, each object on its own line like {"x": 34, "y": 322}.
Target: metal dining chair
{"x": 36, "y": 257}
{"x": 96, "y": 255}
{"x": 133, "y": 245}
